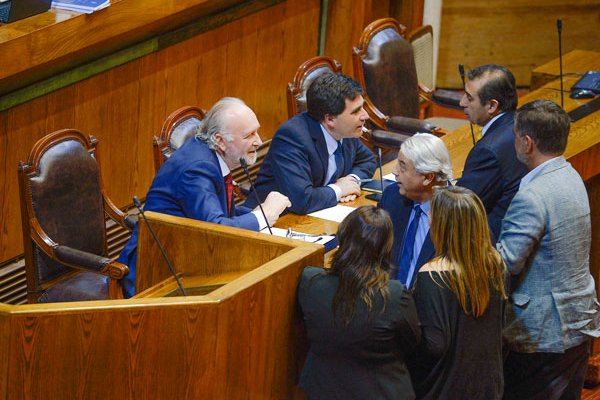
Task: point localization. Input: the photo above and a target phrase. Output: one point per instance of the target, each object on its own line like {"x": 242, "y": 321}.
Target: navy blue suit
{"x": 399, "y": 208}
{"x": 190, "y": 184}
{"x": 493, "y": 171}
{"x": 296, "y": 165}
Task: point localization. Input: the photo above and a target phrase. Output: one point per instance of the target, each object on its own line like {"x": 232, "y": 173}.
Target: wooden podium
{"x": 239, "y": 340}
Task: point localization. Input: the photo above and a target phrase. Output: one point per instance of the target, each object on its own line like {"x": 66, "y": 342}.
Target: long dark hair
{"x": 363, "y": 261}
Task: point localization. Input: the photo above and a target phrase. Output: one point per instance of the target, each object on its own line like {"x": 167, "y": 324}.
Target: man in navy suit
{"x": 423, "y": 164}
{"x": 316, "y": 158}
{"x": 193, "y": 182}
{"x": 492, "y": 170}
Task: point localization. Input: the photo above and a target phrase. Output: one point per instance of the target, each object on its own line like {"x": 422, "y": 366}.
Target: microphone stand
{"x": 244, "y": 165}
{"x": 461, "y": 71}
{"x": 138, "y": 205}
{"x": 559, "y": 29}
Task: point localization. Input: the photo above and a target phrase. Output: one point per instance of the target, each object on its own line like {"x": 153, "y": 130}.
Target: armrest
{"x": 92, "y": 262}
{"x": 130, "y": 221}
{"x": 409, "y": 126}
{"x": 387, "y": 139}
{"x": 447, "y": 98}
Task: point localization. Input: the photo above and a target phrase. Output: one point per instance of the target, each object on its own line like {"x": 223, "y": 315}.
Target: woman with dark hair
{"x": 459, "y": 296}
{"x": 359, "y": 323}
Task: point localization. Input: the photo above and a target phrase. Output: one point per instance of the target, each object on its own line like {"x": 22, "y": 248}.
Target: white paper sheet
{"x": 336, "y": 214}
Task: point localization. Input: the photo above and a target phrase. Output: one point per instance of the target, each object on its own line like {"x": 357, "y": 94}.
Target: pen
{"x": 318, "y": 239}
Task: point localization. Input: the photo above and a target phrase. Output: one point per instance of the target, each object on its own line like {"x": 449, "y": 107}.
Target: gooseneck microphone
{"x": 461, "y": 71}
{"x": 138, "y": 205}
{"x": 559, "y": 30}
{"x": 244, "y": 165}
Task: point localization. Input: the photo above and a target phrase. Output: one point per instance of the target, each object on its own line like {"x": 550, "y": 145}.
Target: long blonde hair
{"x": 461, "y": 237}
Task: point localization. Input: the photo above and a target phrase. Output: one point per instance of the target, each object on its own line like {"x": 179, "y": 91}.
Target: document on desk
{"x": 329, "y": 241}
{"x": 336, "y": 214}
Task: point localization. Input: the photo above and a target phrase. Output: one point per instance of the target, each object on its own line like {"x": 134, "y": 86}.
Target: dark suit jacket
{"x": 399, "y": 208}
{"x": 493, "y": 171}
{"x": 296, "y": 165}
{"x": 189, "y": 184}
{"x": 364, "y": 360}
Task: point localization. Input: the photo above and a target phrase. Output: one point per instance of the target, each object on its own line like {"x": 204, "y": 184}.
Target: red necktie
{"x": 229, "y": 190}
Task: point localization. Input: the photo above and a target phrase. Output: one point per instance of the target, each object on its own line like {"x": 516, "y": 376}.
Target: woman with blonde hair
{"x": 459, "y": 297}
{"x": 360, "y": 324}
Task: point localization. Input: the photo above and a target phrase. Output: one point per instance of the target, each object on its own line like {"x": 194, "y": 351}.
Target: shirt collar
{"x": 424, "y": 207}
{"x": 224, "y": 168}
{"x": 533, "y": 173}
{"x": 489, "y": 123}
{"x": 332, "y": 144}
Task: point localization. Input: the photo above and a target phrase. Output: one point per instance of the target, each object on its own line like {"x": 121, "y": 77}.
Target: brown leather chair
{"x": 305, "y": 75}
{"x": 384, "y": 65}
{"x": 63, "y": 211}
{"x": 176, "y": 130}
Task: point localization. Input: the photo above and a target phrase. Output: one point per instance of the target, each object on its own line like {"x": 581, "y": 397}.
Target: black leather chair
{"x": 63, "y": 211}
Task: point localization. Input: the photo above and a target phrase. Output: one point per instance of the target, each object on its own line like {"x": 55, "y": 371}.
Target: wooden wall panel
{"x": 520, "y": 34}
{"x": 252, "y": 58}
{"x": 346, "y": 21}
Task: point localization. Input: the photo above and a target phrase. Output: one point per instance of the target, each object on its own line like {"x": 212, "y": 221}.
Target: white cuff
{"x": 262, "y": 223}
{"x": 337, "y": 190}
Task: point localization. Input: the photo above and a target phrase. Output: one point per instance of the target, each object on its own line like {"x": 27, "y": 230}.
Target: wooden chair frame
{"x": 294, "y": 89}
{"x": 32, "y": 230}
{"x": 162, "y": 144}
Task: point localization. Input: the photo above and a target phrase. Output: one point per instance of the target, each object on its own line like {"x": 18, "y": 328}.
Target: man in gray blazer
{"x": 545, "y": 242}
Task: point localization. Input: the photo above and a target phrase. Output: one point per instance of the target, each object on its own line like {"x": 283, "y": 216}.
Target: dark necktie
{"x": 229, "y": 191}
{"x": 409, "y": 245}
{"x": 339, "y": 163}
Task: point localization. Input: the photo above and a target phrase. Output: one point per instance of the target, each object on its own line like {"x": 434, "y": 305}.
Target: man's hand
{"x": 349, "y": 187}
{"x": 274, "y": 205}
{"x": 347, "y": 199}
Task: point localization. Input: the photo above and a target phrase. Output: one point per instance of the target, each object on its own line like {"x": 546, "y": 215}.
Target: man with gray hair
{"x": 195, "y": 182}
{"x": 423, "y": 164}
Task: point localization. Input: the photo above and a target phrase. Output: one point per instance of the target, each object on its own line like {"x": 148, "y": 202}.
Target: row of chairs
{"x": 64, "y": 204}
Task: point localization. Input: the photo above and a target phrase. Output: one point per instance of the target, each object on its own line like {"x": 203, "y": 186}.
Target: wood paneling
{"x": 252, "y": 58}
{"x": 346, "y": 21}
{"x": 242, "y": 341}
{"x": 520, "y": 34}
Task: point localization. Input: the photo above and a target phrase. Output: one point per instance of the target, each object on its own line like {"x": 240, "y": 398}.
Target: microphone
{"x": 244, "y": 165}
{"x": 461, "y": 71}
{"x": 559, "y": 30}
{"x": 377, "y": 196}
{"x": 138, "y": 205}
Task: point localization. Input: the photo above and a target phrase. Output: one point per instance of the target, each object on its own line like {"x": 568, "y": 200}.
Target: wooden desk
{"x": 576, "y": 61}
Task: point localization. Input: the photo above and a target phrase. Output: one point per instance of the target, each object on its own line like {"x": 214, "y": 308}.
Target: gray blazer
{"x": 545, "y": 242}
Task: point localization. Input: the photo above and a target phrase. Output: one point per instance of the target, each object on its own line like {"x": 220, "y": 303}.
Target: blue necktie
{"x": 339, "y": 163}
{"x": 409, "y": 245}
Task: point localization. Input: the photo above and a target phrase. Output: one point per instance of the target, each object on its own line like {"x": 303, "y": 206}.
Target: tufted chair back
{"x": 305, "y": 75}
{"x": 63, "y": 215}
{"x": 177, "y": 129}
{"x": 384, "y": 65}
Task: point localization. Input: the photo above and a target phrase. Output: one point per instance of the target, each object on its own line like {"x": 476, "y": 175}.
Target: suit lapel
{"x": 314, "y": 127}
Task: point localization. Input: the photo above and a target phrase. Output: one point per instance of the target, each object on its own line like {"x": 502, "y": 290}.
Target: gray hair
{"x": 428, "y": 153}
{"x": 215, "y": 121}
